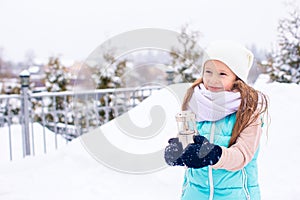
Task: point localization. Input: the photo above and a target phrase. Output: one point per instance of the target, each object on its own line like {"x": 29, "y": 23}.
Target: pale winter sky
{"x": 74, "y": 28}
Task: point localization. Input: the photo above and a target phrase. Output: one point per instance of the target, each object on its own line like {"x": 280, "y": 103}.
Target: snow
{"x": 37, "y": 141}
{"x": 24, "y": 73}
{"x": 34, "y": 69}
{"x": 278, "y": 160}
{"x": 73, "y": 172}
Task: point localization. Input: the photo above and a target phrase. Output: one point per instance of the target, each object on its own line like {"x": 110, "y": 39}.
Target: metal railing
{"x": 66, "y": 114}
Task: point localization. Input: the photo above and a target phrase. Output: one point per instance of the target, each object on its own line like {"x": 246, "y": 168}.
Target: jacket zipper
{"x": 245, "y": 184}
{"x": 210, "y": 175}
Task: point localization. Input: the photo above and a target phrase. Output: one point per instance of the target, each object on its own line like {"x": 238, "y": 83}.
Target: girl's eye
{"x": 223, "y": 74}
{"x": 208, "y": 72}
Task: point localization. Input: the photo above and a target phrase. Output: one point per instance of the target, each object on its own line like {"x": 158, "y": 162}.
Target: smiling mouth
{"x": 215, "y": 88}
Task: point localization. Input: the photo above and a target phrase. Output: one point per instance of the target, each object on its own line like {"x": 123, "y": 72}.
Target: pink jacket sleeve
{"x": 241, "y": 153}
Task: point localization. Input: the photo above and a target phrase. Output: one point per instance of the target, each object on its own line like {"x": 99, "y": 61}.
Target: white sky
{"x": 74, "y": 28}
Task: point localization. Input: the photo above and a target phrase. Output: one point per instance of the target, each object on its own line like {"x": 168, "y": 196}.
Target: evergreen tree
{"x": 57, "y": 77}
{"x": 186, "y": 58}
{"x": 108, "y": 74}
{"x": 286, "y": 57}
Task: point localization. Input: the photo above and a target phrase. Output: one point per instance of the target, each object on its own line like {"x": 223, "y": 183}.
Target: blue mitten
{"x": 201, "y": 153}
{"x": 173, "y": 152}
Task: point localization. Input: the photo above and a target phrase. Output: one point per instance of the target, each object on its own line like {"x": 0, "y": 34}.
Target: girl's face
{"x": 217, "y": 76}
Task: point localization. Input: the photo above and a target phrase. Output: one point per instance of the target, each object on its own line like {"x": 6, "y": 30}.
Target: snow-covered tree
{"x": 10, "y": 108}
{"x": 57, "y": 77}
{"x": 108, "y": 73}
{"x": 286, "y": 56}
{"x": 186, "y": 58}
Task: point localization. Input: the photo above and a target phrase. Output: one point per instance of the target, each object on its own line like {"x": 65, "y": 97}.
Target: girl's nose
{"x": 215, "y": 78}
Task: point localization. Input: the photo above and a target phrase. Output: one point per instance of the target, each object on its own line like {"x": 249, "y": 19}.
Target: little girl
{"x": 222, "y": 161}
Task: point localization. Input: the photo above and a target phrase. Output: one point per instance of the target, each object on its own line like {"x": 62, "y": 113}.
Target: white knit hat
{"x": 234, "y": 55}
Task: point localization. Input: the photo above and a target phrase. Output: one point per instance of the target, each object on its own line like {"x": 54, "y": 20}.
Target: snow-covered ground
{"x": 279, "y": 162}
{"x": 72, "y": 172}
{"x": 41, "y": 140}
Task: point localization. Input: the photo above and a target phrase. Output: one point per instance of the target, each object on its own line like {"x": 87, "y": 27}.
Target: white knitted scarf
{"x": 213, "y": 106}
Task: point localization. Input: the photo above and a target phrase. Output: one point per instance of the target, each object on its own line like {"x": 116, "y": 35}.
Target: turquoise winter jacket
{"x": 220, "y": 184}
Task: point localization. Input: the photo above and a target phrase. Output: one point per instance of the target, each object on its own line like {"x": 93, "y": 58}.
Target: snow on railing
{"x": 67, "y": 114}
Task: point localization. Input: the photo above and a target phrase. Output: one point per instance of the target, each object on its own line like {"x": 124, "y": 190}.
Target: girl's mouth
{"x": 215, "y": 89}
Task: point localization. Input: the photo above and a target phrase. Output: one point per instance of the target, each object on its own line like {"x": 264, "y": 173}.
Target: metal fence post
{"x": 24, "y": 76}
{"x": 170, "y": 75}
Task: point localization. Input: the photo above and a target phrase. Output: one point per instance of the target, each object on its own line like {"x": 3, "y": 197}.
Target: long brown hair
{"x": 253, "y": 104}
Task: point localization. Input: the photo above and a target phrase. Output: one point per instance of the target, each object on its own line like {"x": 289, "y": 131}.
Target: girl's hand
{"x": 201, "y": 153}
{"x": 173, "y": 152}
